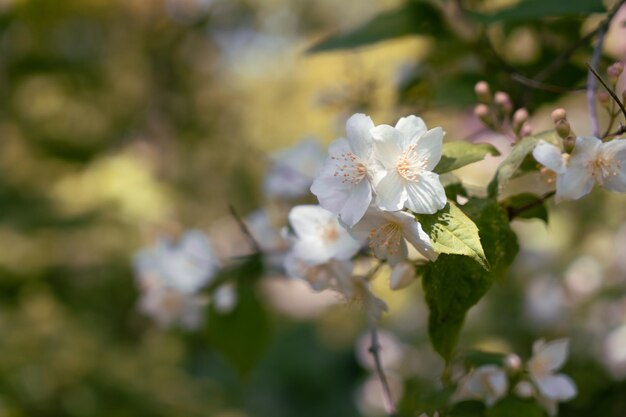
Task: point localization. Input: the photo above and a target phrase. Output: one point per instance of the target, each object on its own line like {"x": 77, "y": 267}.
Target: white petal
{"x": 574, "y": 183}
{"x": 557, "y": 387}
{"x": 357, "y": 203}
{"x": 387, "y": 145}
{"x": 372, "y": 219}
{"x": 426, "y": 195}
{"x": 358, "y": 133}
{"x": 225, "y": 298}
{"x": 395, "y": 257}
{"x": 411, "y": 128}
{"x": 585, "y": 150}
{"x": 548, "y": 357}
{"x": 390, "y": 191}
{"x": 402, "y": 275}
{"x": 615, "y": 150}
{"x": 429, "y": 147}
{"x": 420, "y": 241}
{"x": 550, "y": 156}
{"x": 331, "y": 191}
{"x": 308, "y": 220}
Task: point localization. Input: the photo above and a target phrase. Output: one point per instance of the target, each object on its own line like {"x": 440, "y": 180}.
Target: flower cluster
{"x": 538, "y": 379}
{"x": 171, "y": 277}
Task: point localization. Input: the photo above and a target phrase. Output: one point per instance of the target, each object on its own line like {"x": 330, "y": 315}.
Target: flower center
{"x": 602, "y": 168}
{"x": 409, "y": 165}
{"x": 350, "y": 168}
{"x": 386, "y": 236}
{"x": 330, "y": 234}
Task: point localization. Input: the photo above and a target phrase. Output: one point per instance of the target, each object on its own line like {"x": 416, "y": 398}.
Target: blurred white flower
{"x": 592, "y": 161}
{"x": 525, "y": 389}
{"x": 343, "y": 186}
{"x": 225, "y": 298}
{"x": 408, "y": 153}
{"x": 402, "y": 275}
{"x": 293, "y": 170}
{"x": 333, "y": 274}
{"x": 319, "y": 237}
{"x": 614, "y": 356}
{"x": 551, "y": 387}
{"x": 386, "y": 232}
{"x": 488, "y": 383}
{"x": 170, "y": 275}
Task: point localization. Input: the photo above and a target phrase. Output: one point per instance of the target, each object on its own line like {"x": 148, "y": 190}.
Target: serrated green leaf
{"x": 452, "y": 232}
{"x": 537, "y": 9}
{"x": 513, "y": 161}
{"x": 453, "y": 283}
{"x": 241, "y": 335}
{"x": 515, "y": 407}
{"x": 458, "y": 154}
{"x": 526, "y": 206}
{"x": 412, "y": 18}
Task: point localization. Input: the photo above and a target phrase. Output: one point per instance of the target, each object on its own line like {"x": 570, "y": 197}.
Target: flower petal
{"x": 429, "y": 147}
{"x": 426, "y": 195}
{"x": 390, "y": 191}
{"x": 411, "y": 127}
{"x": 585, "y": 150}
{"x": 556, "y": 387}
{"x": 357, "y": 203}
{"x": 574, "y": 183}
{"x": 550, "y": 156}
{"x": 548, "y": 357}
{"x": 387, "y": 145}
{"x": 358, "y": 134}
{"x": 420, "y": 241}
{"x": 615, "y": 151}
{"x": 402, "y": 275}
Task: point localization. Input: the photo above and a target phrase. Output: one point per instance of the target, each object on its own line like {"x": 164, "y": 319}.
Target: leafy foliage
{"x": 537, "y": 9}
{"x": 526, "y": 206}
{"x": 458, "y": 154}
{"x": 515, "y": 407}
{"x": 415, "y": 17}
{"x": 453, "y": 283}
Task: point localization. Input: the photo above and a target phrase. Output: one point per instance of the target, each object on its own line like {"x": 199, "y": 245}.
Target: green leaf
{"x": 538, "y": 9}
{"x": 458, "y": 154}
{"x": 469, "y": 408}
{"x": 514, "y": 160}
{"x": 241, "y": 335}
{"x": 453, "y": 283}
{"x": 452, "y": 232}
{"x": 516, "y": 407}
{"x": 413, "y": 18}
{"x": 526, "y": 206}
{"x": 476, "y": 358}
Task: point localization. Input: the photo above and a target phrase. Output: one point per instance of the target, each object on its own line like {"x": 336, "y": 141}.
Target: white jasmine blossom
{"x": 293, "y": 170}
{"x": 488, "y": 383}
{"x": 402, "y": 275}
{"x": 592, "y": 161}
{"x": 387, "y": 232}
{"x": 408, "y": 153}
{"x": 551, "y": 387}
{"x": 343, "y": 186}
{"x": 319, "y": 237}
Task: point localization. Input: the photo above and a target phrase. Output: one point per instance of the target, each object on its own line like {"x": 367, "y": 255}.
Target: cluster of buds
{"x": 496, "y": 112}
{"x": 564, "y": 129}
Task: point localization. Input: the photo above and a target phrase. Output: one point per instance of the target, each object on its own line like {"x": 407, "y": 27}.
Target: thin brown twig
{"x": 609, "y": 90}
{"x": 513, "y": 212}
{"x": 375, "y": 352}
{"x": 244, "y": 229}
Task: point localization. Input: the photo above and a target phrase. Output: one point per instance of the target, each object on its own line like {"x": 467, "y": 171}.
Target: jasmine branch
{"x": 375, "y": 352}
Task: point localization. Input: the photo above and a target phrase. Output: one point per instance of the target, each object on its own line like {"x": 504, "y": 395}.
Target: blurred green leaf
{"x": 476, "y": 358}
{"x": 515, "y": 407}
{"x": 413, "y": 18}
{"x": 468, "y": 409}
{"x": 537, "y": 9}
{"x": 514, "y": 160}
{"x": 458, "y": 154}
{"x": 452, "y": 232}
{"x": 454, "y": 283}
{"x": 526, "y": 206}
{"x": 242, "y": 335}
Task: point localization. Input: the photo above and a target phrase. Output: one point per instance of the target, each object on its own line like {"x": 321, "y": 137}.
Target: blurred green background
{"x": 121, "y": 120}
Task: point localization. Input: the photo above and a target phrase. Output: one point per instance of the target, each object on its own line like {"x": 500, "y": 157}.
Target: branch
{"x": 245, "y": 230}
{"x": 609, "y": 90}
{"x": 593, "y": 75}
{"x": 375, "y": 352}
{"x": 514, "y": 212}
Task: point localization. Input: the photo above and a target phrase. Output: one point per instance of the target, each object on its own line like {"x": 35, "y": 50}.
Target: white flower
{"x": 319, "y": 237}
{"x": 592, "y": 161}
{"x": 343, "y": 186}
{"x": 408, "y": 153}
{"x": 487, "y": 382}
{"x": 551, "y": 387}
{"x": 225, "y": 298}
{"x": 294, "y": 169}
{"x": 386, "y": 232}
{"x": 402, "y": 275}
{"x": 185, "y": 267}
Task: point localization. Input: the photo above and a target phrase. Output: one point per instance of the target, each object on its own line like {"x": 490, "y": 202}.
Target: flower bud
{"x": 604, "y": 98}
{"x": 614, "y": 71}
{"x": 563, "y": 129}
{"x": 503, "y": 100}
{"x": 512, "y": 363}
{"x": 483, "y": 92}
{"x": 519, "y": 118}
{"x": 524, "y": 389}
{"x": 558, "y": 115}
{"x": 482, "y": 112}
{"x": 526, "y": 130}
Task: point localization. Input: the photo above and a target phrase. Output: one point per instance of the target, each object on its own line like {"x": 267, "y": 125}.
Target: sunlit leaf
{"x": 458, "y": 154}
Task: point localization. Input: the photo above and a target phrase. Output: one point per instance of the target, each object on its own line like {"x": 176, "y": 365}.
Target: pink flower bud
{"x": 604, "y": 98}
{"x": 483, "y": 92}
{"x": 558, "y": 115}
{"x": 482, "y": 112}
{"x": 519, "y": 118}
{"x": 614, "y": 71}
{"x": 503, "y": 100}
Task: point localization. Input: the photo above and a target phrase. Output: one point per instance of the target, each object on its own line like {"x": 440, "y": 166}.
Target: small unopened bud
{"x": 524, "y": 389}
{"x": 519, "y": 118}
{"x": 604, "y": 98}
{"x": 558, "y": 115}
{"x": 525, "y": 131}
{"x": 482, "y": 112}
{"x": 503, "y": 100}
{"x": 513, "y": 363}
{"x": 483, "y": 92}
{"x": 563, "y": 129}
{"x": 614, "y": 71}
